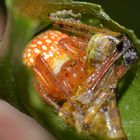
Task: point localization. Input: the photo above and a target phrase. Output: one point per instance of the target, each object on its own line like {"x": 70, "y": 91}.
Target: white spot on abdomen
{"x": 31, "y": 60}
{"x": 36, "y": 50}
{"x": 39, "y": 42}
{"x": 48, "y": 41}
{"x": 29, "y": 54}
{"x": 44, "y": 47}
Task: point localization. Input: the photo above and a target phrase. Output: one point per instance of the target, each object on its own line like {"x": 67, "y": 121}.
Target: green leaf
{"x": 15, "y": 38}
{"x": 26, "y": 18}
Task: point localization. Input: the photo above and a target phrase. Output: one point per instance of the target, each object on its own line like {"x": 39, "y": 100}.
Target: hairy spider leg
{"x": 101, "y": 94}
{"x": 113, "y": 121}
{"x": 93, "y": 80}
{"x": 97, "y": 104}
{"x": 49, "y": 80}
{"x": 101, "y": 97}
{"x": 104, "y": 68}
{"x": 73, "y": 24}
{"x": 42, "y": 92}
{"x": 121, "y": 70}
{"x": 68, "y": 46}
{"x": 80, "y": 41}
{"x": 74, "y": 47}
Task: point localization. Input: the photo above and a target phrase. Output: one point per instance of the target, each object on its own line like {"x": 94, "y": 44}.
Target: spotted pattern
{"x": 47, "y": 45}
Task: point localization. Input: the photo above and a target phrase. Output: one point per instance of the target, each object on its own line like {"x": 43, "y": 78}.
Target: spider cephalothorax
{"x": 81, "y": 65}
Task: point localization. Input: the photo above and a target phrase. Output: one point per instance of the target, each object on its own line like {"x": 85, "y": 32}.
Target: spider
{"x": 77, "y": 68}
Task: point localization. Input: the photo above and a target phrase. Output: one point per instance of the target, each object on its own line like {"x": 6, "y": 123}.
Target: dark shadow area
{"x": 3, "y": 17}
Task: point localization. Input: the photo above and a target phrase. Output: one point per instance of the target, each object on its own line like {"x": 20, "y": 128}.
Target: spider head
{"x": 129, "y": 53}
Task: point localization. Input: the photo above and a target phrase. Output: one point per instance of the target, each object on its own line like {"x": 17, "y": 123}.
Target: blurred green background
{"x": 125, "y": 12}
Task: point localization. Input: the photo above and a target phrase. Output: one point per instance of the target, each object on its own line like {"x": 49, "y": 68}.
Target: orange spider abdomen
{"x": 62, "y": 72}
{"x": 47, "y": 45}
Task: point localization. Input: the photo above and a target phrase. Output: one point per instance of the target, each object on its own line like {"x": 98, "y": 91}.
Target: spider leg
{"x": 80, "y": 42}
{"x": 95, "y": 77}
{"x": 68, "y": 46}
{"x": 121, "y": 70}
{"x": 46, "y": 97}
{"x": 97, "y": 104}
{"x": 113, "y": 121}
{"x": 102, "y": 95}
{"x": 73, "y": 46}
{"x": 50, "y": 82}
{"x": 46, "y": 77}
{"x": 73, "y": 24}
{"x": 112, "y": 116}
